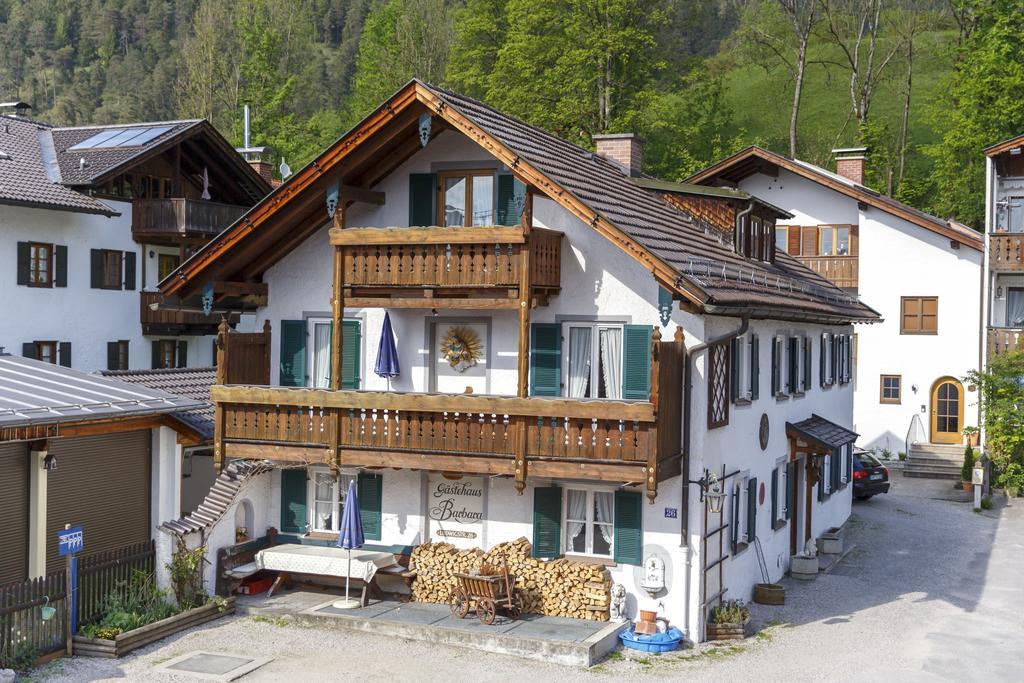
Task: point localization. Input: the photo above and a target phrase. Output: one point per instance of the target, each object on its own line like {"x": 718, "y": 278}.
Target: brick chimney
{"x": 263, "y": 167}
{"x": 850, "y": 162}
{"x": 625, "y": 150}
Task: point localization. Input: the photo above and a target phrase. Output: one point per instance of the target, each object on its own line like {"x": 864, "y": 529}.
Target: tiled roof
{"x": 822, "y": 431}
{"x": 24, "y": 178}
{"x": 219, "y": 499}
{"x": 193, "y": 383}
{"x": 33, "y": 392}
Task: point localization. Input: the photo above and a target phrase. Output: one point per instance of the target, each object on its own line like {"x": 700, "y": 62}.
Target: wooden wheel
{"x": 486, "y": 610}
{"x": 515, "y": 609}
{"x": 459, "y": 603}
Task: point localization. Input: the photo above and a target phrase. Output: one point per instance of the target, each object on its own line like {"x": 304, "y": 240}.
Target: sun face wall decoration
{"x": 461, "y": 348}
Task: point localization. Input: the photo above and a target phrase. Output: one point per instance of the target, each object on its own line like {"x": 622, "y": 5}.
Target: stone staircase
{"x": 934, "y": 461}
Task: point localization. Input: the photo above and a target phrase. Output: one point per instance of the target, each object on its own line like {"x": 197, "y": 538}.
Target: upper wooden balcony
{"x": 170, "y": 220}
{"x": 1006, "y": 251}
{"x": 1003, "y": 339}
{"x": 171, "y": 321}
{"x": 635, "y": 442}
{"x": 842, "y": 271}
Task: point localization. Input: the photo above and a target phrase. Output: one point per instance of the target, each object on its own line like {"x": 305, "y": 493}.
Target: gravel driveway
{"x": 932, "y": 591}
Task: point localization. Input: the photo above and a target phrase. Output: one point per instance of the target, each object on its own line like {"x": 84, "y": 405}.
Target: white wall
{"x": 897, "y": 258}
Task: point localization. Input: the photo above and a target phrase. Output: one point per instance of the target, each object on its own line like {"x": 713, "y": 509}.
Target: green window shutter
{"x": 182, "y": 355}
{"x": 422, "y": 199}
{"x": 755, "y": 368}
{"x": 547, "y": 521}
{"x": 96, "y": 268}
{"x": 821, "y": 360}
{"x": 113, "y": 357}
{"x": 849, "y": 463}
{"x": 293, "y": 501}
{"x": 805, "y": 346}
{"x": 636, "y": 362}
{"x": 370, "y": 491}
{"x": 24, "y": 262}
{"x": 129, "y": 270}
{"x": 821, "y": 484}
{"x": 545, "y": 359}
{"x": 293, "y": 353}
{"x": 158, "y": 361}
{"x": 751, "y": 509}
{"x": 792, "y": 369}
{"x": 509, "y": 188}
{"x": 832, "y": 358}
{"x": 629, "y": 534}
{"x": 775, "y": 495}
{"x": 64, "y": 354}
{"x": 790, "y": 478}
{"x": 28, "y": 350}
{"x": 734, "y": 369}
{"x": 350, "y": 341}
{"x": 60, "y": 266}
{"x": 734, "y": 530}
{"x": 836, "y": 465}
{"x": 776, "y": 374}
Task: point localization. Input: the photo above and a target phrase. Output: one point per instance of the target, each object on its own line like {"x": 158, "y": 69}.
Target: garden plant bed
{"x": 150, "y": 633}
{"x": 733, "y": 631}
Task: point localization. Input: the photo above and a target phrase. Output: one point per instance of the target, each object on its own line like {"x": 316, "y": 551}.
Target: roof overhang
{"x": 821, "y": 432}
{"x": 1005, "y": 146}
{"x": 98, "y": 211}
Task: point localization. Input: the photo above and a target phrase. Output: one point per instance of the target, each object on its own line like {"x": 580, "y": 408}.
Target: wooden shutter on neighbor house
{"x": 24, "y": 262}
{"x": 350, "y": 341}
{"x": 129, "y": 270}
{"x": 636, "y": 362}
{"x": 547, "y": 521}
{"x": 734, "y": 369}
{"x": 629, "y": 533}
{"x": 546, "y": 359}
{"x": 370, "y": 490}
{"x": 96, "y": 268}
{"x": 293, "y": 501}
{"x": 776, "y": 369}
{"x": 181, "y": 357}
{"x": 755, "y": 368}
{"x": 293, "y": 353}
{"x": 422, "y": 199}
{"x": 113, "y": 356}
{"x": 793, "y": 240}
{"x": 775, "y": 495}
{"x": 14, "y": 499}
{"x": 751, "y": 509}
{"x": 60, "y": 266}
{"x": 102, "y": 483}
{"x": 809, "y": 240}
{"x": 64, "y": 354}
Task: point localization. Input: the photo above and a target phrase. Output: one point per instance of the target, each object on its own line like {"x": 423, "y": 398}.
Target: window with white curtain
{"x": 592, "y": 366}
{"x": 589, "y": 521}
{"x": 327, "y": 494}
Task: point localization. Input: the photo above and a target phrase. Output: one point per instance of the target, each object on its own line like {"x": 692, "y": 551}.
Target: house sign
{"x": 70, "y": 541}
{"x": 455, "y": 510}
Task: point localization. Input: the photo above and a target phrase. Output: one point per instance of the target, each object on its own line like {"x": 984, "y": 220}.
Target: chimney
{"x": 850, "y": 162}
{"x": 256, "y": 157}
{"x": 263, "y": 167}
{"x": 625, "y": 150}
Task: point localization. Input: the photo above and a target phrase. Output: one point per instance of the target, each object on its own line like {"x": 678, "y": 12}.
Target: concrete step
{"x": 929, "y": 459}
{"x": 931, "y": 471}
{"x": 938, "y": 449}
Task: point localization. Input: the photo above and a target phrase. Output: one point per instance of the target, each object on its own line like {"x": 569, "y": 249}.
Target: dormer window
{"x": 755, "y": 238}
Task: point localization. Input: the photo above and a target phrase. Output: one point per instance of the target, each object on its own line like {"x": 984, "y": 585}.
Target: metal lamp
{"x": 710, "y": 488}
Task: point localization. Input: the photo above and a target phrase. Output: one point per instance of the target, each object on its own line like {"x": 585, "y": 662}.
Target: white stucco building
{"x": 921, "y": 273}
{"x": 1004, "y": 247}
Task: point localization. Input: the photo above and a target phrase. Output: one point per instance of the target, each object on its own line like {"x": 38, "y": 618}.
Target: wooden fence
{"x": 243, "y": 357}
{"x": 22, "y": 627}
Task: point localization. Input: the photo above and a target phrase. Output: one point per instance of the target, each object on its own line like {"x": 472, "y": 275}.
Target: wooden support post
{"x": 223, "y": 330}
{"x": 525, "y": 299}
{"x": 338, "y": 302}
{"x": 520, "y": 453}
{"x": 218, "y": 437}
{"x": 652, "y": 454}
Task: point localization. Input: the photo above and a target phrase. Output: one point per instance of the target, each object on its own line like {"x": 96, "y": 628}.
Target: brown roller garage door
{"x": 13, "y": 512}
{"x": 102, "y": 483}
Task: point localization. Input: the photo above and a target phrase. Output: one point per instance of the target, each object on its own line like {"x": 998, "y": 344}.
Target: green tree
{"x": 1002, "y": 406}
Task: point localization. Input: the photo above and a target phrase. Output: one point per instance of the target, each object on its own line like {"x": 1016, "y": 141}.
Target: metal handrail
{"x": 906, "y": 442}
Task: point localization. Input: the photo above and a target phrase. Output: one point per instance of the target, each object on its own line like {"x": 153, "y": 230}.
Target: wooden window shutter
{"x": 547, "y": 521}
{"x": 855, "y": 240}
{"x": 293, "y": 501}
{"x": 636, "y": 362}
{"x": 113, "y": 356}
{"x": 129, "y": 270}
{"x": 629, "y": 535}
{"x": 422, "y": 199}
{"x": 28, "y": 350}
{"x": 809, "y": 240}
{"x": 849, "y": 462}
{"x": 832, "y": 358}
{"x": 370, "y": 490}
{"x": 793, "y": 240}
{"x": 790, "y": 478}
{"x": 808, "y": 352}
{"x": 158, "y": 361}
{"x": 776, "y": 372}
{"x": 775, "y": 495}
{"x": 64, "y": 354}
{"x": 822, "y": 355}
{"x": 751, "y": 509}
{"x": 351, "y": 337}
{"x": 734, "y": 369}
{"x": 734, "y": 531}
{"x": 546, "y": 359}
{"x": 835, "y": 464}
{"x": 792, "y": 366}
{"x": 96, "y": 268}
{"x": 181, "y": 357}
{"x": 508, "y": 188}
{"x": 293, "y": 353}
{"x": 821, "y": 482}
{"x": 755, "y": 368}
{"x": 24, "y": 262}
{"x": 60, "y": 266}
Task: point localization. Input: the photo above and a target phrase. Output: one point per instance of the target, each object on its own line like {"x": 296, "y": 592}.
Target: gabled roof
{"x": 825, "y": 433}
{"x": 1005, "y": 146}
{"x": 671, "y": 187}
{"x": 754, "y": 159}
{"x": 192, "y": 383}
{"x": 697, "y": 265}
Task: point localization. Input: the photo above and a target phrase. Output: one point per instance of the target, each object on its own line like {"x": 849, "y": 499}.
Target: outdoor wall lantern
{"x": 999, "y": 292}
{"x": 50, "y": 462}
{"x": 711, "y": 488}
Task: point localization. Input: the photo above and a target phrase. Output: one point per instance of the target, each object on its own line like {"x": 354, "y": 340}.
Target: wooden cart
{"x": 489, "y": 593}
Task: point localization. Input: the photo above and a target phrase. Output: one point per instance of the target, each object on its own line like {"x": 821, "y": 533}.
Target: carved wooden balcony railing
{"x": 181, "y": 217}
{"x": 1004, "y": 339}
{"x": 1006, "y": 251}
{"x": 169, "y": 321}
{"x": 842, "y": 271}
{"x": 622, "y": 441}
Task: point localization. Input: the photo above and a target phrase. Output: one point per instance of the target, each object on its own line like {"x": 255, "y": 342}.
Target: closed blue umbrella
{"x": 387, "y": 353}
{"x": 350, "y": 536}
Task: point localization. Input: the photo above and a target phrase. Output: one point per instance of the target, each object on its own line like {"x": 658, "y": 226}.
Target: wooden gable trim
{"x": 187, "y": 435}
{"x": 1004, "y": 146}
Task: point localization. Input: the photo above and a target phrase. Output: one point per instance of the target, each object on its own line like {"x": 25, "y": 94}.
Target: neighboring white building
{"x": 91, "y": 218}
{"x": 1004, "y": 252}
{"x": 921, "y": 273}
{"x": 576, "y": 353}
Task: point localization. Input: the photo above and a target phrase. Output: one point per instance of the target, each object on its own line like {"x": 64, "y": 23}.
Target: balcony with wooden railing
{"x": 1004, "y": 339}
{"x": 159, "y": 319}
{"x": 158, "y": 220}
{"x": 842, "y": 271}
{"x": 1006, "y": 251}
{"x": 636, "y": 442}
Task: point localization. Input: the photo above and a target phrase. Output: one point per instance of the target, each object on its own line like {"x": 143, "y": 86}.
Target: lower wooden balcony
{"x": 157, "y": 320}
{"x": 1006, "y": 251}
{"x": 842, "y": 271}
{"x": 1004, "y": 339}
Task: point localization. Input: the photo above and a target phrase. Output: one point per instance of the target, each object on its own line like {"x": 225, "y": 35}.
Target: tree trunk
{"x": 801, "y": 65}
{"x": 905, "y": 123}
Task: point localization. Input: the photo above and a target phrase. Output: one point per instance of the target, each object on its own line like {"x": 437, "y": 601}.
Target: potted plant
{"x": 971, "y": 436}
{"x": 968, "y": 468}
{"x": 241, "y": 535}
{"x": 729, "y": 621}
{"x": 1012, "y": 479}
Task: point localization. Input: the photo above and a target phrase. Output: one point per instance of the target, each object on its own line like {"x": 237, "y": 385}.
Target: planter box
{"x": 769, "y": 594}
{"x": 805, "y": 568}
{"x": 830, "y": 543}
{"x": 150, "y": 633}
{"x": 728, "y": 631}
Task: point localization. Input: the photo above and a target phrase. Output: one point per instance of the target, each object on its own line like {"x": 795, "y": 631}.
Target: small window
{"x": 46, "y": 351}
{"x": 112, "y": 268}
{"x": 589, "y": 522}
{"x": 891, "y": 389}
{"x": 166, "y": 264}
{"x": 40, "y": 272}
{"x": 168, "y": 354}
{"x": 122, "y": 354}
{"x": 593, "y": 365}
{"x": 834, "y": 240}
{"x": 920, "y": 315}
{"x": 328, "y": 495}
{"x": 781, "y": 238}
{"x": 467, "y": 198}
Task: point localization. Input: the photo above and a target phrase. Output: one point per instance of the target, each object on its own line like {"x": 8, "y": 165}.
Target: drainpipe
{"x": 739, "y": 219}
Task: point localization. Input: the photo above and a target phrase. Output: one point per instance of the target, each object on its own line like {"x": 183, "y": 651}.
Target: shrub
{"x": 965, "y": 472}
{"x": 186, "y": 568}
{"x": 1012, "y": 477}
{"x": 730, "y": 612}
{"x": 134, "y": 603}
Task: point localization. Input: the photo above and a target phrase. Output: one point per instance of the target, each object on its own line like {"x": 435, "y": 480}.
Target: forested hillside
{"x": 926, "y": 84}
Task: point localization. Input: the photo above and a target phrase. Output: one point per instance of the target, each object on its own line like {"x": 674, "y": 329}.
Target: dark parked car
{"x": 870, "y": 477}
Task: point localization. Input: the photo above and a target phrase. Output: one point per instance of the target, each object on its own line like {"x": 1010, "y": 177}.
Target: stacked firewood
{"x": 562, "y": 588}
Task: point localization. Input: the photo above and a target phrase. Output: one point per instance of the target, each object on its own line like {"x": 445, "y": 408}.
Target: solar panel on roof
{"x": 96, "y": 139}
{"x": 125, "y": 136}
{"x": 121, "y": 137}
{"x": 149, "y": 134}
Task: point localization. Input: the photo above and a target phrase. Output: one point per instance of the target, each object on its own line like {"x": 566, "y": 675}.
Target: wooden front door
{"x": 947, "y": 411}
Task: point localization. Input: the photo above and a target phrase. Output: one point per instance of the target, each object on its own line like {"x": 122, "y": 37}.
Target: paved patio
{"x": 558, "y": 639}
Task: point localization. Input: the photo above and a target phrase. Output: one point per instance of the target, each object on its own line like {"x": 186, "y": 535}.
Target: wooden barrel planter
{"x": 728, "y": 631}
{"x": 769, "y": 594}
{"x": 125, "y": 642}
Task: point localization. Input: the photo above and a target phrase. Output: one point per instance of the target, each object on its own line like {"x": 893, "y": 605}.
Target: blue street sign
{"x": 70, "y": 541}
{"x": 671, "y": 513}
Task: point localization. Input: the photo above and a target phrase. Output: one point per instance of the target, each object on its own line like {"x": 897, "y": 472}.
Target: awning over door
{"x": 821, "y": 432}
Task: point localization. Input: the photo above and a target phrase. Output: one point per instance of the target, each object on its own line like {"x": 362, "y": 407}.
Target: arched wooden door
{"x": 947, "y": 411}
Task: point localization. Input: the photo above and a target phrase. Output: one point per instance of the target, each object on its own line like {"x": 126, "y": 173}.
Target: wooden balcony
{"x": 635, "y": 442}
{"x": 1006, "y": 251}
{"x": 1004, "y": 339}
{"x": 170, "y": 321}
{"x": 839, "y": 270}
{"x": 170, "y": 220}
